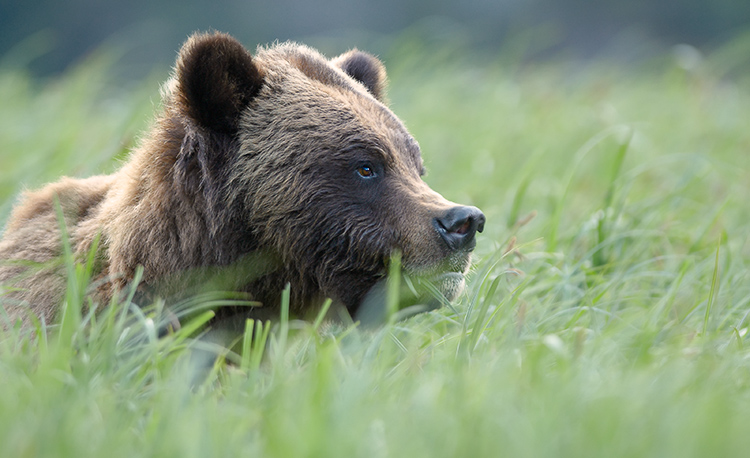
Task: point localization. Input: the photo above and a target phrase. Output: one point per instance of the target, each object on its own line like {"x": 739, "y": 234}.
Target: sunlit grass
{"x": 607, "y": 313}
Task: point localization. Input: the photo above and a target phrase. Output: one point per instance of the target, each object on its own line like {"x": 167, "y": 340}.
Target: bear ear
{"x": 366, "y": 69}
{"x": 216, "y": 79}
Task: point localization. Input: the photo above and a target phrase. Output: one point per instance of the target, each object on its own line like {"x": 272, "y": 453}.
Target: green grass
{"x": 607, "y": 314}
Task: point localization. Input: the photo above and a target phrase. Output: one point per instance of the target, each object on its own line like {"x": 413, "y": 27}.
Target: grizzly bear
{"x": 276, "y": 168}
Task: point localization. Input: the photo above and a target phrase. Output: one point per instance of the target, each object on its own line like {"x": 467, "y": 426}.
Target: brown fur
{"x": 252, "y": 154}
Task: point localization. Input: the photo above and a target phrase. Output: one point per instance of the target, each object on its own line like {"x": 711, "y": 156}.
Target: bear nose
{"x": 459, "y": 225}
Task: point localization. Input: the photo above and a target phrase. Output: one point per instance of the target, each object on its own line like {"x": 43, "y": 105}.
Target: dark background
{"x": 46, "y": 36}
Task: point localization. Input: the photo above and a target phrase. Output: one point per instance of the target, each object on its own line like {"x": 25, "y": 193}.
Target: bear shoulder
{"x": 75, "y": 196}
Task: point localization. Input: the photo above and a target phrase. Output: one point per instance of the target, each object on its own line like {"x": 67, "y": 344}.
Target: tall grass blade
{"x": 600, "y": 258}
{"x": 515, "y": 208}
{"x": 322, "y": 314}
{"x": 71, "y": 307}
{"x": 284, "y": 319}
{"x": 247, "y": 341}
{"x": 479, "y": 322}
{"x": 714, "y": 289}
{"x": 393, "y": 287}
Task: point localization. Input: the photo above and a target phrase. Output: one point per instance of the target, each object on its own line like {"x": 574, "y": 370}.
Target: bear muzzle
{"x": 428, "y": 286}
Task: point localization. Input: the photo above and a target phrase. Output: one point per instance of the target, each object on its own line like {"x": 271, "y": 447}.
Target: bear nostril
{"x": 459, "y": 225}
{"x": 464, "y": 228}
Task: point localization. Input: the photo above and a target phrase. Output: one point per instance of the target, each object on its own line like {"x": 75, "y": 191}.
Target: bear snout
{"x": 458, "y": 227}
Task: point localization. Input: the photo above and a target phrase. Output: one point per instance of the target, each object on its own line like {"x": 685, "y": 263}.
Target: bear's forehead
{"x": 380, "y": 128}
{"x": 308, "y": 61}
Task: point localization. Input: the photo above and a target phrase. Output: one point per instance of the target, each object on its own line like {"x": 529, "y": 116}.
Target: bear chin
{"x": 417, "y": 294}
{"x": 450, "y": 284}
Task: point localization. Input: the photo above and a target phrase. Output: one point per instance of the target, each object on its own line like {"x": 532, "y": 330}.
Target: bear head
{"x": 295, "y": 155}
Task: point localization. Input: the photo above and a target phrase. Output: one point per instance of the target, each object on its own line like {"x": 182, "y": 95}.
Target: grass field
{"x": 607, "y": 313}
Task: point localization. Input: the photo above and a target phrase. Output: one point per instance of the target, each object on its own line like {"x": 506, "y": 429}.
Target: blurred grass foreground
{"x": 607, "y": 314}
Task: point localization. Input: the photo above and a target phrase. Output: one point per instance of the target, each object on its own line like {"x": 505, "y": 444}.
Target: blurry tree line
{"x": 47, "y": 35}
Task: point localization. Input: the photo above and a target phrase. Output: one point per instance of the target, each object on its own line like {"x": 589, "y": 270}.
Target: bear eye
{"x": 366, "y": 171}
